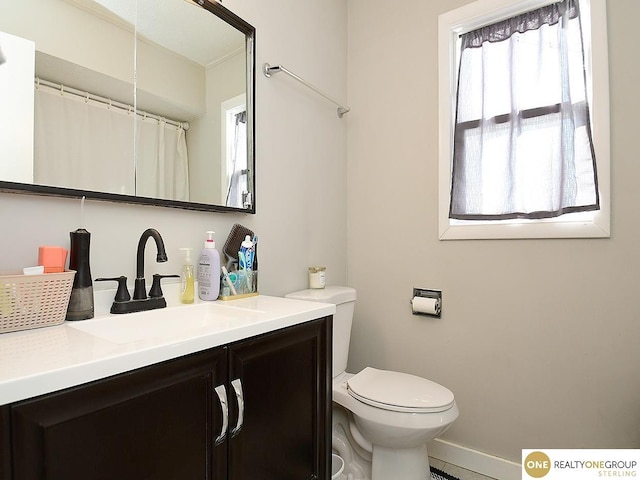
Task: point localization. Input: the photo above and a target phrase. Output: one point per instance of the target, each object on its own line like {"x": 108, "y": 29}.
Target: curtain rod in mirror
{"x": 64, "y": 89}
{"x": 268, "y": 70}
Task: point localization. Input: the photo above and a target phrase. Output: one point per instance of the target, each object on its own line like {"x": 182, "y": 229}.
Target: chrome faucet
{"x": 139, "y": 292}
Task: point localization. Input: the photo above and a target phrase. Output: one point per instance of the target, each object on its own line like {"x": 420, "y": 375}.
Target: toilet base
{"x": 374, "y": 462}
{"x": 400, "y": 464}
{"x": 357, "y": 461}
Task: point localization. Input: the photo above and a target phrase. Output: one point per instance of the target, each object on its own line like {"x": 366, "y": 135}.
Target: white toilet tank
{"x": 344, "y": 299}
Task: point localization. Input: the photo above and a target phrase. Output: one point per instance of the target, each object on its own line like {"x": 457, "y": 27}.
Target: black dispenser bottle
{"x": 81, "y": 301}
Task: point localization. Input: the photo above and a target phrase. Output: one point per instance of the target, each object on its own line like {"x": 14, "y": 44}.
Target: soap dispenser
{"x": 209, "y": 270}
{"x": 187, "y": 277}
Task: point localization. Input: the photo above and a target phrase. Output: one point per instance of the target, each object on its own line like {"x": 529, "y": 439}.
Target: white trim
{"x": 218, "y": 61}
{"x": 479, "y": 462}
{"x": 474, "y": 15}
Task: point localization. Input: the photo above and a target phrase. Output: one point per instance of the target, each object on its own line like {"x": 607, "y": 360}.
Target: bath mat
{"x": 440, "y": 475}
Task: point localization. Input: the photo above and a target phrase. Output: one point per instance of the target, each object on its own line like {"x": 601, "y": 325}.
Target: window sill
{"x": 590, "y": 225}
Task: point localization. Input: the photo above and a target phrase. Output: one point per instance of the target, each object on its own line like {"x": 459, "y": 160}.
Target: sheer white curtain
{"x": 83, "y": 144}
{"x": 523, "y": 145}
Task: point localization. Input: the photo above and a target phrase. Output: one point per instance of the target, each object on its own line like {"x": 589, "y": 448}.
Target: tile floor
{"x": 456, "y": 471}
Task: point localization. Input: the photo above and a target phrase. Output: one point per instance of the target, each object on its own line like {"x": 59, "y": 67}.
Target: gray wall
{"x": 538, "y": 338}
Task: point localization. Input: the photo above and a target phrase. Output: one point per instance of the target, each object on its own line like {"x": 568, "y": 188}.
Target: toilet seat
{"x": 399, "y": 392}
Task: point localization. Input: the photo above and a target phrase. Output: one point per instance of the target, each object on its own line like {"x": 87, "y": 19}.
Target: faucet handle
{"x": 122, "y": 294}
{"x": 156, "y": 289}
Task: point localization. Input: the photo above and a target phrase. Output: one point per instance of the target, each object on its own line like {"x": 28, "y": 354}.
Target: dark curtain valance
{"x": 497, "y": 32}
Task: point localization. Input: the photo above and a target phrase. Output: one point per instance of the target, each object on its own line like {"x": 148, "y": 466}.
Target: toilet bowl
{"x": 402, "y": 424}
{"x": 382, "y": 420}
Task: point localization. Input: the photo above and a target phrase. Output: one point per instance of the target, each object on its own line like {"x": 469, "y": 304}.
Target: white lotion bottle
{"x": 209, "y": 270}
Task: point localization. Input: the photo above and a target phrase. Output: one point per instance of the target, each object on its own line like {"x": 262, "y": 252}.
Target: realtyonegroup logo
{"x": 537, "y": 464}
{"x": 580, "y": 464}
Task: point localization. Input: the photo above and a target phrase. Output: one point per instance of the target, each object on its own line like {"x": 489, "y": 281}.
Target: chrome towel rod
{"x": 268, "y": 70}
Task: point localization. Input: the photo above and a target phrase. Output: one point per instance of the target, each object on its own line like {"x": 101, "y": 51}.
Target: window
{"x": 496, "y": 200}
{"x": 235, "y": 170}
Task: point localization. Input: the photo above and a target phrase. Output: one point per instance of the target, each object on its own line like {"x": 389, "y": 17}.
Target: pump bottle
{"x": 209, "y": 270}
{"x": 187, "y": 277}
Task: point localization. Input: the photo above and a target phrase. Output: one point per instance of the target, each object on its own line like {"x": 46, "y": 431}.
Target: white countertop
{"x": 43, "y": 360}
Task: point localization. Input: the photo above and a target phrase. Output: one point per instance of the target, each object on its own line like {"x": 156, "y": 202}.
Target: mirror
{"x": 142, "y": 101}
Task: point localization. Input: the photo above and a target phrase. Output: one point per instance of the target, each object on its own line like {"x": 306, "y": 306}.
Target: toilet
{"x": 382, "y": 420}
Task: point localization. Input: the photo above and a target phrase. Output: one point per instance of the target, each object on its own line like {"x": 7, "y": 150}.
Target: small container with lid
{"x": 317, "y": 277}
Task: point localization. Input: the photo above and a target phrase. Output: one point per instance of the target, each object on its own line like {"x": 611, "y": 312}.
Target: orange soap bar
{"x": 53, "y": 259}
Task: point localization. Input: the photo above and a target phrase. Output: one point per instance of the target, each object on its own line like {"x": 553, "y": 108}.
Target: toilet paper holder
{"x": 430, "y": 309}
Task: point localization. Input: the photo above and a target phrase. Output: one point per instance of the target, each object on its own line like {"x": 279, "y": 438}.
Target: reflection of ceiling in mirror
{"x": 202, "y": 41}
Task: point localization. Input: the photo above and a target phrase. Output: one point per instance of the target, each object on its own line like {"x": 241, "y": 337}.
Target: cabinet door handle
{"x": 237, "y": 386}
{"x": 222, "y": 396}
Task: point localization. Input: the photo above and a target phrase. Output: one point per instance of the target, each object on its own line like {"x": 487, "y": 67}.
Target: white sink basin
{"x": 172, "y": 323}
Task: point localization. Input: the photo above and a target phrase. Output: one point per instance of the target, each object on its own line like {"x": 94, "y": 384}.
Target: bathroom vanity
{"x": 240, "y": 390}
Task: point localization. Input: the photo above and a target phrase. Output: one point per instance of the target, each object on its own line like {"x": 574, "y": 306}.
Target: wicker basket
{"x": 32, "y": 301}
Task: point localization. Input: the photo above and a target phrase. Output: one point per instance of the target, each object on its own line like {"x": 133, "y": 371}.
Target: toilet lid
{"x": 400, "y": 392}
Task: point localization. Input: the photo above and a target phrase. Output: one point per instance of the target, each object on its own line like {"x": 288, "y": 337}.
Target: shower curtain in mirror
{"x": 161, "y": 160}
{"x": 85, "y": 144}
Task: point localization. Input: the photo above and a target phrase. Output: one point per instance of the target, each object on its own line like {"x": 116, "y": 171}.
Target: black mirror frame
{"x": 250, "y": 35}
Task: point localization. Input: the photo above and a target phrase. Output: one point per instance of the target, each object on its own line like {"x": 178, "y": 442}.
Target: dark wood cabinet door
{"x": 156, "y": 423}
{"x": 5, "y": 443}
{"x": 285, "y": 380}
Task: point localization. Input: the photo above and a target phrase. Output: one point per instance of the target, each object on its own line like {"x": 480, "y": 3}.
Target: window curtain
{"x": 237, "y": 168}
{"x": 522, "y": 141}
{"x": 83, "y": 144}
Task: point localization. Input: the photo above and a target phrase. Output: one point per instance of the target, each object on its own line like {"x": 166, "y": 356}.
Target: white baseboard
{"x": 483, "y": 463}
